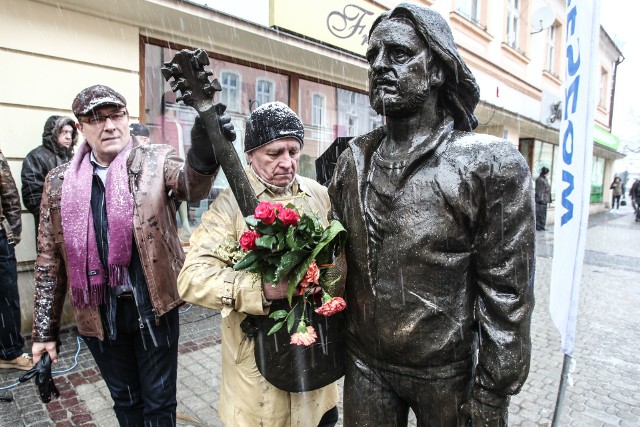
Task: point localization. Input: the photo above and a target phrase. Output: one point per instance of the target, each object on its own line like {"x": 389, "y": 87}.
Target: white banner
{"x": 573, "y": 175}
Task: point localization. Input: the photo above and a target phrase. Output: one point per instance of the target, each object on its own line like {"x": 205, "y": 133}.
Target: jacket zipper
{"x": 133, "y": 178}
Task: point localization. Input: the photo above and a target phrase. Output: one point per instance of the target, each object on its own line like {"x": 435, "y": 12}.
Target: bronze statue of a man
{"x": 441, "y": 241}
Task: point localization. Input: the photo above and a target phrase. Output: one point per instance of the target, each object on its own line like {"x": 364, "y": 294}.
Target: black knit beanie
{"x": 271, "y": 121}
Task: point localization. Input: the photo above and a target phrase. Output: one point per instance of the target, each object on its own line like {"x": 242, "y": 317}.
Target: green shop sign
{"x": 605, "y": 139}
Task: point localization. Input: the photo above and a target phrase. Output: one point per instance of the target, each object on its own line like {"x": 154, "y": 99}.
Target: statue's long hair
{"x": 459, "y": 94}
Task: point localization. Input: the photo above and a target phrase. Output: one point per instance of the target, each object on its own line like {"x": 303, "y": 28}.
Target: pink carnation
{"x": 265, "y": 212}
{"x": 304, "y": 338}
{"x": 311, "y": 276}
{"x": 331, "y": 307}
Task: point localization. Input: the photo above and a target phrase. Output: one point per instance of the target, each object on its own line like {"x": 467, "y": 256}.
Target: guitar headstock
{"x": 191, "y": 78}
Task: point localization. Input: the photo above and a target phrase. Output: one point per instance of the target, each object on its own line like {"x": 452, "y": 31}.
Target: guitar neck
{"x": 230, "y": 163}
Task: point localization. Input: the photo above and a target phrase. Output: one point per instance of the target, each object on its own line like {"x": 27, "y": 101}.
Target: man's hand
{"x": 477, "y": 414}
{"x": 38, "y": 349}
{"x": 279, "y": 291}
{"x": 201, "y": 156}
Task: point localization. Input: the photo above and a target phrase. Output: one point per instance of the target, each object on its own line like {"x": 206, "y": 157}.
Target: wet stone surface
{"x": 606, "y": 378}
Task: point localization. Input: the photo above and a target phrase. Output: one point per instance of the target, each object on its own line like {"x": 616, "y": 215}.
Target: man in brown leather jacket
{"x": 11, "y": 342}
{"x": 108, "y": 236}
{"x": 441, "y": 241}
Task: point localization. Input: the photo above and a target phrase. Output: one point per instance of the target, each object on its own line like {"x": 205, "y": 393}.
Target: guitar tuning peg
{"x": 203, "y": 75}
{"x": 209, "y": 90}
{"x": 201, "y": 56}
{"x": 166, "y": 73}
{"x": 186, "y": 98}
{"x": 215, "y": 84}
{"x": 180, "y": 84}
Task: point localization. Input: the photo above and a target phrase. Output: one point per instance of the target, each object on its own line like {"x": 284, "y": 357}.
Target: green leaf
{"x": 288, "y": 261}
{"x": 266, "y": 242}
{"x": 280, "y": 314}
{"x": 296, "y": 238}
{"x": 291, "y": 320}
{"x": 247, "y": 260}
{"x": 275, "y": 328}
{"x": 268, "y": 276}
{"x": 250, "y": 220}
{"x": 281, "y": 241}
{"x": 333, "y": 236}
{"x": 264, "y": 229}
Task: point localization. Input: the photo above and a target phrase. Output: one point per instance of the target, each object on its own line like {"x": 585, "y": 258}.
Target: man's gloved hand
{"x": 201, "y": 156}
{"x": 44, "y": 380}
{"x": 477, "y": 414}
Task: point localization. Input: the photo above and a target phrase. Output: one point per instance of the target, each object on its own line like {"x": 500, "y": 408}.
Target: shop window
{"x": 597, "y": 180}
{"x": 170, "y": 122}
{"x": 375, "y": 120}
{"x": 352, "y": 126}
{"x": 264, "y": 92}
{"x": 544, "y": 156}
{"x": 230, "y": 95}
{"x": 317, "y": 110}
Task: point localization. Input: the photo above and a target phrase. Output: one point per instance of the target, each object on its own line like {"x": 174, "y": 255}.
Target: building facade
{"x": 308, "y": 54}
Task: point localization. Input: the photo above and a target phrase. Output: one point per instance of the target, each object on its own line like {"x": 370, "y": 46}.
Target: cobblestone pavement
{"x": 605, "y": 388}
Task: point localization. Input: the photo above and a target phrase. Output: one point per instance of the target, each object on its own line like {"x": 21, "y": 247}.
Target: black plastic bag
{"x": 296, "y": 368}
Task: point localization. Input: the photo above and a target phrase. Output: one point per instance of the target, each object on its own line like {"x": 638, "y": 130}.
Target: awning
{"x": 605, "y": 138}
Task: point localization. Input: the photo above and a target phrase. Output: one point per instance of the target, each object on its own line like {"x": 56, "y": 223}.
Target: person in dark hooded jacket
{"x": 59, "y": 136}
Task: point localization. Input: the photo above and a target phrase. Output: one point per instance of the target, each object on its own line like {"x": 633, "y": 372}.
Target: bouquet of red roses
{"x": 283, "y": 243}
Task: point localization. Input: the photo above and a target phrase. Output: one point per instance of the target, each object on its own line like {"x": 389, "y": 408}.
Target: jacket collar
{"x": 364, "y": 147}
{"x": 259, "y": 188}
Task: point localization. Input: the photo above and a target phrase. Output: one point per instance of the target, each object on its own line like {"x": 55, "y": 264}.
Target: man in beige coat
{"x": 273, "y": 143}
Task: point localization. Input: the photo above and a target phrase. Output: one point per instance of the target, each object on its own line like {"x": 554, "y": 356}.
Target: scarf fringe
{"x": 91, "y": 297}
{"x": 118, "y": 275}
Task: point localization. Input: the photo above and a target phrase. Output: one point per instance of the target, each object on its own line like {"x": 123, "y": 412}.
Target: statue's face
{"x": 398, "y": 68}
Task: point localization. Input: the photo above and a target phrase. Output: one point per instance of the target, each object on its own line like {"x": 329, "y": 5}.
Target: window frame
{"x": 318, "y": 110}
{"x": 472, "y": 16}
{"x": 514, "y": 14}
{"x": 272, "y": 86}
{"x": 237, "y": 98}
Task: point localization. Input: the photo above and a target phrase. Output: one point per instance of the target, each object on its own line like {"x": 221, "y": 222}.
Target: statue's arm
{"x": 505, "y": 266}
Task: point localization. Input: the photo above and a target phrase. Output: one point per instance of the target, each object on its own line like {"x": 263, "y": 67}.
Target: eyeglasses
{"x": 100, "y": 120}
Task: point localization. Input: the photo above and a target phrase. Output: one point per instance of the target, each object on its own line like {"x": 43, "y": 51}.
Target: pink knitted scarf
{"x": 86, "y": 272}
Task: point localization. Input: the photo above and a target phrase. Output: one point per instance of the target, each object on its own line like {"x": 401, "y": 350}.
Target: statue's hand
{"x": 474, "y": 413}
{"x": 201, "y": 156}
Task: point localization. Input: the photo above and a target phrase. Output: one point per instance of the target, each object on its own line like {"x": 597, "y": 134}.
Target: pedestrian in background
{"x": 59, "y": 137}
{"x": 108, "y": 236}
{"x": 543, "y": 198}
{"x": 632, "y": 192}
{"x": 11, "y": 342}
{"x": 617, "y": 190}
{"x": 140, "y": 132}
